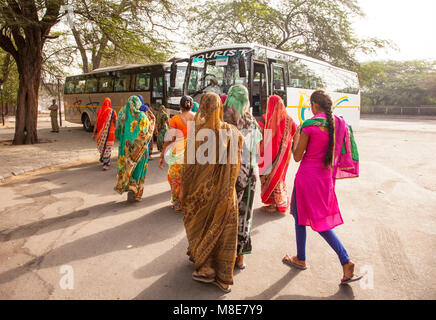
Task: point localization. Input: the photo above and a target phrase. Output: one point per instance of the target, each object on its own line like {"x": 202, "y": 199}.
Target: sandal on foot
{"x": 219, "y": 285}
{"x": 240, "y": 267}
{"x": 204, "y": 279}
{"x": 269, "y": 209}
{"x": 288, "y": 261}
{"x": 352, "y": 279}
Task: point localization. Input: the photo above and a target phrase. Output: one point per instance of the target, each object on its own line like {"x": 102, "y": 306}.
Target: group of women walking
{"x": 216, "y": 197}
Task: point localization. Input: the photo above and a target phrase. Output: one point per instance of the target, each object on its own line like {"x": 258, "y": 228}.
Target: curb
{"x": 7, "y": 176}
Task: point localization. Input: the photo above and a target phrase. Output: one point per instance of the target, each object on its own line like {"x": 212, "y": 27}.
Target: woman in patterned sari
{"x": 178, "y": 127}
{"x": 162, "y": 123}
{"x": 209, "y": 201}
{"x": 237, "y": 112}
{"x": 105, "y": 129}
{"x": 134, "y": 129}
{"x": 275, "y": 153}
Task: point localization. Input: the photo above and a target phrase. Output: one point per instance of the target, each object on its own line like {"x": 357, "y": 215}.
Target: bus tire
{"x": 87, "y": 123}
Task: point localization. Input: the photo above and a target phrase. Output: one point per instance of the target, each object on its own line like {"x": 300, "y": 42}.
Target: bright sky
{"x": 410, "y": 24}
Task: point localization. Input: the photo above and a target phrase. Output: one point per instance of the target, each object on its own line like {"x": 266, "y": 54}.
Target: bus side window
{"x": 142, "y": 82}
{"x": 106, "y": 84}
{"x": 91, "y": 85}
{"x": 80, "y": 87}
{"x": 298, "y": 73}
{"x": 122, "y": 83}
{"x": 69, "y": 86}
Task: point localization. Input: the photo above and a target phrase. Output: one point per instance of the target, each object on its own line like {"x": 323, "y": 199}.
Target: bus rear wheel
{"x": 87, "y": 123}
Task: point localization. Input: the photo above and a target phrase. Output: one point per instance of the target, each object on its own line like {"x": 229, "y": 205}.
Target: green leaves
{"x": 398, "y": 83}
{"x": 318, "y": 28}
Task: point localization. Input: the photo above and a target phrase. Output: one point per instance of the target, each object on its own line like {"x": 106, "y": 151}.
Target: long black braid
{"x": 321, "y": 98}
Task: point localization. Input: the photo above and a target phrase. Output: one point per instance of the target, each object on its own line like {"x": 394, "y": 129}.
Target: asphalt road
{"x": 67, "y": 221}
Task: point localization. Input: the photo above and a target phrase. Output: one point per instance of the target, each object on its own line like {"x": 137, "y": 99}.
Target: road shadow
{"x": 140, "y": 232}
{"x": 261, "y": 217}
{"x": 176, "y": 282}
{"x": 278, "y": 286}
{"x": 345, "y": 292}
{"x": 78, "y": 216}
{"x": 88, "y": 178}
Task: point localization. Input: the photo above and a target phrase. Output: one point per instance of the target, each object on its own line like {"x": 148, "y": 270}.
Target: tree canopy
{"x": 398, "y": 83}
{"x": 317, "y": 28}
{"x": 122, "y": 31}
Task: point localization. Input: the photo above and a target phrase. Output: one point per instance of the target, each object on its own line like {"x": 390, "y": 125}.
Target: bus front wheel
{"x": 87, "y": 123}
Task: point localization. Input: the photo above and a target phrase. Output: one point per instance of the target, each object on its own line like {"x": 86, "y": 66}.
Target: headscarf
{"x": 103, "y": 114}
{"x": 274, "y": 121}
{"x": 195, "y": 107}
{"x": 237, "y": 112}
{"x": 223, "y": 98}
{"x": 238, "y": 99}
{"x": 143, "y": 107}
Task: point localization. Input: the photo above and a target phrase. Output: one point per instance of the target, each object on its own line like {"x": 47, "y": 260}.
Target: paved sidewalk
{"x": 72, "y": 143}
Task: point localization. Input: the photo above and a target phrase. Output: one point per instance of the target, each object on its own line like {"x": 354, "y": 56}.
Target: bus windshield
{"x": 216, "y": 74}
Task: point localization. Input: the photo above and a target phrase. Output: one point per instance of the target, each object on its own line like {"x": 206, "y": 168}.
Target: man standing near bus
{"x": 54, "y": 116}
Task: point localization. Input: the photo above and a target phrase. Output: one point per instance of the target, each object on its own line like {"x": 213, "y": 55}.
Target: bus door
{"x": 278, "y": 83}
{"x": 259, "y": 89}
{"x": 157, "y": 91}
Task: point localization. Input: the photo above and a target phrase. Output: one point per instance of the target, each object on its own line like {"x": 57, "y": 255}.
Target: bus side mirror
{"x": 173, "y": 75}
{"x": 242, "y": 67}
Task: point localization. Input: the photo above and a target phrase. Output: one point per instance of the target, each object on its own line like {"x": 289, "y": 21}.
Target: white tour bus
{"x": 265, "y": 72}
{"x": 84, "y": 94}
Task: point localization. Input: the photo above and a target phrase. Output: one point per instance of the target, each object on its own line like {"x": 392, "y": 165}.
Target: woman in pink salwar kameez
{"x": 325, "y": 145}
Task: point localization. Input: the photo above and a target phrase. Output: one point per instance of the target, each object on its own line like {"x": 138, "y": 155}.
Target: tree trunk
{"x": 82, "y": 50}
{"x": 27, "y": 101}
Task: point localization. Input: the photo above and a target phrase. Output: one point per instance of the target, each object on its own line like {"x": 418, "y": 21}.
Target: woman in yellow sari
{"x": 209, "y": 201}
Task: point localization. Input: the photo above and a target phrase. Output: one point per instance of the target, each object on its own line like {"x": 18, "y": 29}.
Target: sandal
{"x": 224, "y": 289}
{"x": 350, "y": 270}
{"x": 270, "y": 208}
{"x": 240, "y": 266}
{"x": 292, "y": 262}
{"x": 205, "y": 279}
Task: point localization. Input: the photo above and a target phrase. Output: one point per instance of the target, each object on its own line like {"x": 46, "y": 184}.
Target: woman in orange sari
{"x": 178, "y": 132}
{"x": 105, "y": 128}
{"x": 209, "y": 201}
{"x": 275, "y": 152}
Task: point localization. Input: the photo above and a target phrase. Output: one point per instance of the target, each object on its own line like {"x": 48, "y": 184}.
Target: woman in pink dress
{"x": 323, "y": 145}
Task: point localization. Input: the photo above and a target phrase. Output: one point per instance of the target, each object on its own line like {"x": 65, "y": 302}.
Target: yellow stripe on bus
{"x": 345, "y": 107}
{"x": 83, "y": 106}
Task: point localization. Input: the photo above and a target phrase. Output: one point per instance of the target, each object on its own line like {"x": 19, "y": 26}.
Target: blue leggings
{"x": 329, "y": 236}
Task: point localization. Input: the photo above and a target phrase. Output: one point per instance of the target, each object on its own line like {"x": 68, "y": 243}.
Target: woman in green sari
{"x": 134, "y": 130}
{"x": 237, "y": 112}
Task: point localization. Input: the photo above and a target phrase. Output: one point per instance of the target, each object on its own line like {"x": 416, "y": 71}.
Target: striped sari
{"x": 106, "y": 118}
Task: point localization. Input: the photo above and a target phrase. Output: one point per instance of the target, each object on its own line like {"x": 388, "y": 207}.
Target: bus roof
{"x": 255, "y": 45}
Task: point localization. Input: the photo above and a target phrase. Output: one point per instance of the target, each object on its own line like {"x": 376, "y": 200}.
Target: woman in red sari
{"x": 105, "y": 128}
{"x": 278, "y": 130}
